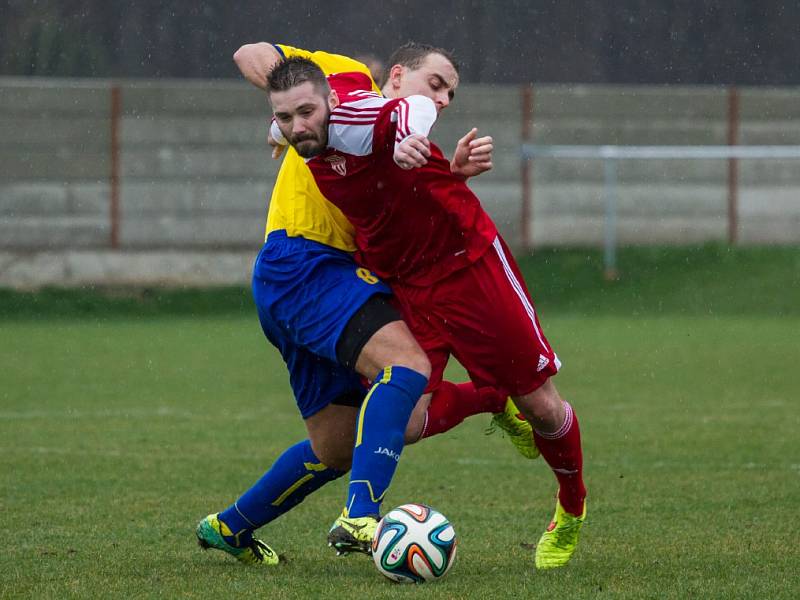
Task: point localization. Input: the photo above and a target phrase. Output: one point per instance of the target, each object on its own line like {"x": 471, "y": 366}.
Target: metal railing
{"x": 611, "y": 155}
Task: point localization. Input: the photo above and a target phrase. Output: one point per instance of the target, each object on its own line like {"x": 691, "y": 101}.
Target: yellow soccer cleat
{"x": 519, "y": 431}
{"x": 210, "y": 534}
{"x": 559, "y": 541}
{"x": 352, "y": 534}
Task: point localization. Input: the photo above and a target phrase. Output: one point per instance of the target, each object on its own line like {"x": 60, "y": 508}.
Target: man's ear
{"x": 395, "y": 76}
{"x": 333, "y": 100}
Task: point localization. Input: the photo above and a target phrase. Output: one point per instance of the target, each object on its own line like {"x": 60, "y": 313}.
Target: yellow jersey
{"x": 297, "y": 205}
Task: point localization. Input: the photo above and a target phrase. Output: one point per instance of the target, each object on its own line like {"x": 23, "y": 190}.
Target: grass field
{"x": 125, "y": 420}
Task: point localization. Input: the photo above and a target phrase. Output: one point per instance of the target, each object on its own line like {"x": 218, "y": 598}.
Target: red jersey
{"x": 412, "y": 226}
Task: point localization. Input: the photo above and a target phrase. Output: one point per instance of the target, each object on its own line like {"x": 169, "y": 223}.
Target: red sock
{"x": 562, "y": 451}
{"x": 451, "y": 403}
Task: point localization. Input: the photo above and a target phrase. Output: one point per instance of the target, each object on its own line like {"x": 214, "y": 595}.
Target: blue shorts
{"x": 306, "y": 293}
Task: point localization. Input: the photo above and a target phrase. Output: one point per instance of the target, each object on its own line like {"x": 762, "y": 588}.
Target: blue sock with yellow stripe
{"x": 296, "y": 474}
{"x": 380, "y": 430}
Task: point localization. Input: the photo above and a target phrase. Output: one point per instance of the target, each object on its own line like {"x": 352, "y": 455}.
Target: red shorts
{"x": 482, "y": 315}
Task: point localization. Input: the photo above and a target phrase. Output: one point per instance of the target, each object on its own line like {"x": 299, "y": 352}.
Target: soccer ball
{"x": 414, "y": 544}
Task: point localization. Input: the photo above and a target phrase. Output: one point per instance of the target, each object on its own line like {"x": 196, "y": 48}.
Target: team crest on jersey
{"x": 338, "y": 164}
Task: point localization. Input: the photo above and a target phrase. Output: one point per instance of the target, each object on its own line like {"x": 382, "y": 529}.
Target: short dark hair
{"x": 295, "y": 71}
{"x": 412, "y": 54}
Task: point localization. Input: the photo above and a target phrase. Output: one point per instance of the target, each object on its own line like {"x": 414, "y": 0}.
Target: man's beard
{"x": 314, "y": 144}
{"x": 311, "y": 146}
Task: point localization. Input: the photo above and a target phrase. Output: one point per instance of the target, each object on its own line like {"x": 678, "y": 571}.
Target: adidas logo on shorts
{"x": 543, "y": 362}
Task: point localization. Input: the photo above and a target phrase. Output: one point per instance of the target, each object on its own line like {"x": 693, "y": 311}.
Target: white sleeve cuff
{"x": 276, "y": 134}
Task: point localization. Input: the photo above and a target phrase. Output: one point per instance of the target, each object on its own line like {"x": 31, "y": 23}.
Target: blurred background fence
{"x": 167, "y": 181}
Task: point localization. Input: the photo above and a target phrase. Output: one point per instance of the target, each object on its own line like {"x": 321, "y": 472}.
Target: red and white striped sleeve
{"x": 351, "y": 127}
{"x": 352, "y": 123}
{"x": 414, "y": 115}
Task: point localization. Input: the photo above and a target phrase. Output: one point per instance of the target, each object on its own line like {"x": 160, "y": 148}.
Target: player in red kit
{"x": 420, "y": 228}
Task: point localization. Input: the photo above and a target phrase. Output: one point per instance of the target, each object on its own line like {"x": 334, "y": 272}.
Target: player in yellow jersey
{"x": 297, "y": 206}
{"x": 332, "y": 321}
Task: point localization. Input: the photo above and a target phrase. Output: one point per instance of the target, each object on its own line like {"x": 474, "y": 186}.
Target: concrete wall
{"x": 194, "y": 171}
{"x": 664, "y": 202}
{"x": 196, "y": 175}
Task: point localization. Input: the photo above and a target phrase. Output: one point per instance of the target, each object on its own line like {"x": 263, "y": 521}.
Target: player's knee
{"x": 340, "y": 463}
{"x": 543, "y": 406}
{"x": 336, "y": 456}
{"x": 416, "y": 360}
{"x": 333, "y": 446}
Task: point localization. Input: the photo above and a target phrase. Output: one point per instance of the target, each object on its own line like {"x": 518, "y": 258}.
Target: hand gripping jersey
{"x": 411, "y": 226}
{"x": 297, "y": 205}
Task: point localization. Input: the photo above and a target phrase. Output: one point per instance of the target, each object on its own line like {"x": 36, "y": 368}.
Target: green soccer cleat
{"x": 559, "y": 541}
{"x": 519, "y": 431}
{"x": 210, "y": 532}
{"x": 352, "y": 534}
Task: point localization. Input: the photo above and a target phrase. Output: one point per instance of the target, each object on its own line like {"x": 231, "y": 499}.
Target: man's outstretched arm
{"x": 473, "y": 154}
{"x": 256, "y": 61}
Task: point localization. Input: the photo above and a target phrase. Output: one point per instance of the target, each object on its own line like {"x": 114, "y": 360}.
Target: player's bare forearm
{"x": 256, "y": 61}
{"x": 473, "y": 155}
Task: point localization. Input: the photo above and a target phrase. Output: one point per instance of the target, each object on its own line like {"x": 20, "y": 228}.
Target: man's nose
{"x": 299, "y": 126}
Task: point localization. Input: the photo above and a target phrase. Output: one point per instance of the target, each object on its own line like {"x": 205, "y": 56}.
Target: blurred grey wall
{"x": 195, "y": 175}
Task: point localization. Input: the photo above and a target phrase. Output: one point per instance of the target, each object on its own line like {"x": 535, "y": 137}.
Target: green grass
{"x": 119, "y": 431}
{"x": 707, "y": 280}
